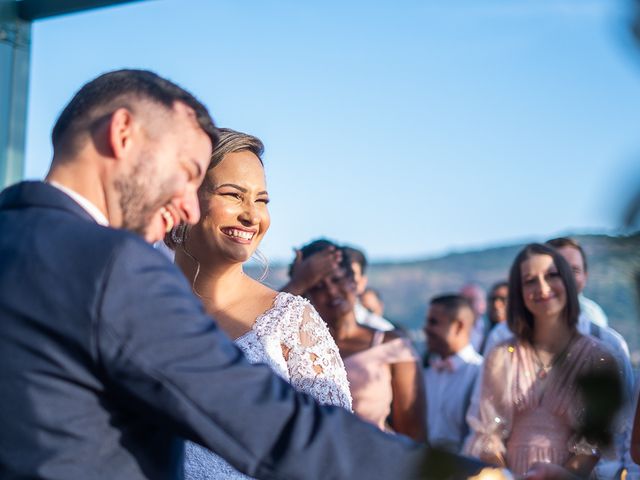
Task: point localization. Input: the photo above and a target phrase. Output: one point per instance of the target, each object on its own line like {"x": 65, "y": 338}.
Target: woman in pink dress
{"x": 382, "y": 367}
{"x": 530, "y": 408}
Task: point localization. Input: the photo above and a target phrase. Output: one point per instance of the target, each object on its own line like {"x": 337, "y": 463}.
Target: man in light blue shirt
{"x": 452, "y": 371}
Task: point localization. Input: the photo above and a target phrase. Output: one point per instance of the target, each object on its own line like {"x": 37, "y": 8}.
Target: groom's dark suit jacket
{"x": 107, "y": 360}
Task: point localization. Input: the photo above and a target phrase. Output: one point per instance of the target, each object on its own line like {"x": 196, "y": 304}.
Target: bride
{"x": 279, "y": 329}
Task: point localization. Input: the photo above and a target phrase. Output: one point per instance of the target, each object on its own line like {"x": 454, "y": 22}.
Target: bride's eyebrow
{"x": 232, "y": 185}
{"x": 238, "y": 187}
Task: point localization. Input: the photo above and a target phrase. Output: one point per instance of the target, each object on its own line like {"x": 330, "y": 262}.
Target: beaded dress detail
{"x": 295, "y": 342}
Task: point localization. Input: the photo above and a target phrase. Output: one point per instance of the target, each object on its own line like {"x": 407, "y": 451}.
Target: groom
{"x": 106, "y": 359}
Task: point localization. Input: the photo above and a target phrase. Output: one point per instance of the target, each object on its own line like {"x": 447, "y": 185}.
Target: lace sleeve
{"x": 490, "y": 421}
{"x": 313, "y": 360}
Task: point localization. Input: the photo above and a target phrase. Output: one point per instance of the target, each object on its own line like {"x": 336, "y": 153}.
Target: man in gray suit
{"x": 107, "y": 360}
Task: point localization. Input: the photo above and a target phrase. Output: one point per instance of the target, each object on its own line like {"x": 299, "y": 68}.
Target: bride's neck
{"x": 214, "y": 282}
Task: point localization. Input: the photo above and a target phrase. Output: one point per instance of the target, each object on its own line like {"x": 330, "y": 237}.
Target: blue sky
{"x": 409, "y": 128}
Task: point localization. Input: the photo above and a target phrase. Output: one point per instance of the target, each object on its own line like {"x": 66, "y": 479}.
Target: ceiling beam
{"x": 30, "y": 10}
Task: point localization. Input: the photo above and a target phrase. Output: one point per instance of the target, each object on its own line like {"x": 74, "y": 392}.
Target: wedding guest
{"x": 530, "y": 408}
{"x": 452, "y": 373}
{"x": 592, "y": 314}
{"x": 372, "y": 301}
{"x": 304, "y": 273}
{"x": 382, "y": 367}
{"x": 277, "y": 328}
{"x": 573, "y": 253}
{"x": 497, "y": 303}
{"x": 477, "y": 298}
{"x": 365, "y": 316}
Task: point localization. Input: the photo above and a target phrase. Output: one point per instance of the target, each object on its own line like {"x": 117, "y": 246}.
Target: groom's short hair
{"x": 99, "y": 98}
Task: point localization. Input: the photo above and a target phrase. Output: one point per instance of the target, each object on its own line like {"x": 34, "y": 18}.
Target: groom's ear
{"x": 121, "y": 133}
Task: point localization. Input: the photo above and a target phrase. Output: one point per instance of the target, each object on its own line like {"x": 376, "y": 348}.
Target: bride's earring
{"x": 179, "y": 234}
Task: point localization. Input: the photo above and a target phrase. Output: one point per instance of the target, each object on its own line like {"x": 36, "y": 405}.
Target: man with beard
{"x": 106, "y": 358}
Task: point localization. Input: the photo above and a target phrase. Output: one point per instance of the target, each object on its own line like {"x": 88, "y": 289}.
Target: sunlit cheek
{"x": 265, "y": 223}
{"x": 223, "y": 213}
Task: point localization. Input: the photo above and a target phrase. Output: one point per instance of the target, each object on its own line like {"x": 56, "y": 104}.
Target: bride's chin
{"x": 239, "y": 256}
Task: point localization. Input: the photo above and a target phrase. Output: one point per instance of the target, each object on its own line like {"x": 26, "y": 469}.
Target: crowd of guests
{"x": 116, "y": 362}
{"x": 500, "y": 380}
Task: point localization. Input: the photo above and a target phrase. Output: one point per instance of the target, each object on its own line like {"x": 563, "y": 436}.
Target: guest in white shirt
{"x": 364, "y": 316}
{"x": 476, "y": 296}
{"x": 372, "y": 301}
{"x": 573, "y": 253}
{"x": 452, "y": 371}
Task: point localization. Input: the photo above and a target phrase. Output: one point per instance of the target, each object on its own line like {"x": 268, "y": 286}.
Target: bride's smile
{"x": 235, "y": 214}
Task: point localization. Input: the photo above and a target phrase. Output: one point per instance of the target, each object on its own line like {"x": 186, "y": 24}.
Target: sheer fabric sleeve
{"x": 313, "y": 360}
{"x": 490, "y": 421}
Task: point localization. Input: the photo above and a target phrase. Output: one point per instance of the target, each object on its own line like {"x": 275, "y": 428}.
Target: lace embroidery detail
{"x": 312, "y": 365}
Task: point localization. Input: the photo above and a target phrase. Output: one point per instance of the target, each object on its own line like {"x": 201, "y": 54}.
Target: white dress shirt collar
{"x": 90, "y": 208}
{"x": 466, "y": 355}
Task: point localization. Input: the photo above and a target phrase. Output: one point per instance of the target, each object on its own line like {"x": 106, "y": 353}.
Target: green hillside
{"x": 614, "y": 268}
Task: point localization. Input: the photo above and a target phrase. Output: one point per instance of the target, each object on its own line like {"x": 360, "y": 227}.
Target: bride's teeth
{"x": 241, "y": 234}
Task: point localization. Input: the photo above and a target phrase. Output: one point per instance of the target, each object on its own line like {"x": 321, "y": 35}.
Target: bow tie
{"x": 443, "y": 365}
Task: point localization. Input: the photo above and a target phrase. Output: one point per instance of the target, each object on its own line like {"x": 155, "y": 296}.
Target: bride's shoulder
{"x": 300, "y": 309}
{"x": 289, "y": 300}
{"x": 294, "y": 314}
{"x": 281, "y": 311}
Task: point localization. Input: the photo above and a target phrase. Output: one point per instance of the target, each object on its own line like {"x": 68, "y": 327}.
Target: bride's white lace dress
{"x": 295, "y": 342}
